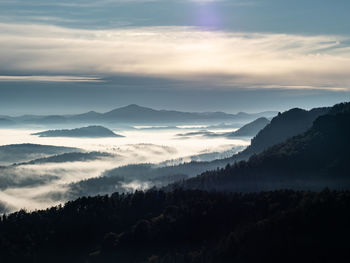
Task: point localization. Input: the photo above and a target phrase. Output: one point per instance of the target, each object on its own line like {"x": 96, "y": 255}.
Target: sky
{"x": 194, "y": 55}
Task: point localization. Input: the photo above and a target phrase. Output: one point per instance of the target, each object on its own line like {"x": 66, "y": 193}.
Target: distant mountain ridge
{"x": 138, "y": 114}
{"x": 135, "y": 112}
{"x": 89, "y": 132}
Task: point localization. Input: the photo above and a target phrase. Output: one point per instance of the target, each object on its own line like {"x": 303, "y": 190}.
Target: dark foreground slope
{"x": 184, "y": 226}
{"x": 317, "y": 158}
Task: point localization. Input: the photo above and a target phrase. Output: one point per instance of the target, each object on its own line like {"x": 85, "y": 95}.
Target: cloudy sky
{"x": 194, "y": 55}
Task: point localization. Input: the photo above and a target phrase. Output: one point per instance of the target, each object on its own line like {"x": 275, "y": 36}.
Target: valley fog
{"x": 42, "y": 184}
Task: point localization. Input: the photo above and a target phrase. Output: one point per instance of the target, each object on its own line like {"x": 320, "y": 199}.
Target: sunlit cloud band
{"x": 246, "y": 59}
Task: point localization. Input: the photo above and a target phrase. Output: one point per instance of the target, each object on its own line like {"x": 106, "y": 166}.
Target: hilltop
{"x": 90, "y": 132}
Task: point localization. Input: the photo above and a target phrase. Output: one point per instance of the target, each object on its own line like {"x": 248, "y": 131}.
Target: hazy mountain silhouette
{"x": 25, "y": 152}
{"x": 88, "y": 116}
{"x": 248, "y": 130}
{"x": 6, "y": 122}
{"x": 70, "y": 157}
{"x": 52, "y": 119}
{"x": 90, "y": 132}
{"x": 315, "y": 159}
{"x": 138, "y": 114}
{"x": 251, "y": 129}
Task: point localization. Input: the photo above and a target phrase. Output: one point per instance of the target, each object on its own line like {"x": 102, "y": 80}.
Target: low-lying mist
{"x": 52, "y": 177}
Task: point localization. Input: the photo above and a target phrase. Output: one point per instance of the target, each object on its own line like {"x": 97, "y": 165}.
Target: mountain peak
{"x": 132, "y": 106}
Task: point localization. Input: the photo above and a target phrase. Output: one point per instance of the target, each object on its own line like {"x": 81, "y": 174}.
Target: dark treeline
{"x": 110, "y": 184}
{"x": 184, "y": 226}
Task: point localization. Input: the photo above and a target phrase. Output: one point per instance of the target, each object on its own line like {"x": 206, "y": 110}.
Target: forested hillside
{"x": 183, "y": 226}
{"x": 315, "y": 159}
{"x": 282, "y": 127}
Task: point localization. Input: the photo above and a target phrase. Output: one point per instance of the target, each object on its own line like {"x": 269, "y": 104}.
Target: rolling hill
{"x": 84, "y": 132}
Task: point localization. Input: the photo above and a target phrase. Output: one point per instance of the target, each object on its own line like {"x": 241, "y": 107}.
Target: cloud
{"x": 226, "y": 58}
